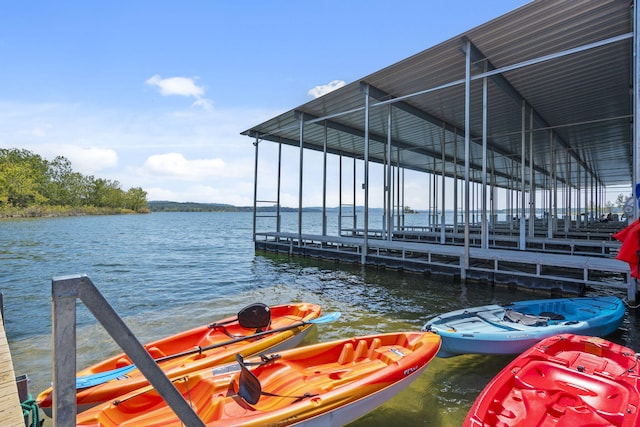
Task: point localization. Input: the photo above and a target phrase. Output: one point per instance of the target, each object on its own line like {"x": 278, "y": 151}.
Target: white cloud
{"x": 318, "y": 91}
{"x": 175, "y": 165}
{"x": 182, "y": 86}
{"x": 85, "y": 160}
{"x": 90, "y": 160}
{"x": 204, "y": 103}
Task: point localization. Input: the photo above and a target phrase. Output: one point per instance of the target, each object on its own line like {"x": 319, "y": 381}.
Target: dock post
{"x": 632, "y": 289}
{"x": 64, "y": 353}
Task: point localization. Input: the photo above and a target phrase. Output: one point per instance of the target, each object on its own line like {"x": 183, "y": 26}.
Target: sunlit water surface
{"x": 167, "y": 272}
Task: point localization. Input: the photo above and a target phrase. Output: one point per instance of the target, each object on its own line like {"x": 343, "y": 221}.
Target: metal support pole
{"x": 324, "y": 182}
{"x": 493, "y": 202}
{"x": 436, "y": 203}
{"x": 455, "y": 180}
{"x": 363, "y": 258}
{"x": 389, "y": 178}
{"x": 568, "y": 218}
{"x": 467, "y": 143}
{"x": 397, "y": 190}
{"x": 522, "y": 245}
{"x": 433, "y": 207}
{"x": 278, "y": 218}
{"x": 402, "y": 189}
{"x": 593, "y": 194}
{"x": 300, "y": 175}
{"x": 255, "y": 188}
{"x": 578, "y": 198}
{"x": 443, "y": 218}
{"x": 340, "y": 195}
{"x": 587, "y": 199}
{"x": 532, "y": 182}
{"x": 553, "y": 197}
{"x": 483, "y": 200}
{"x": 355, "y": 217}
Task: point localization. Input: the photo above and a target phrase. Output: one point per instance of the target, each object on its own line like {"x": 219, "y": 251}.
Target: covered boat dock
{"x": 516, "y": 134}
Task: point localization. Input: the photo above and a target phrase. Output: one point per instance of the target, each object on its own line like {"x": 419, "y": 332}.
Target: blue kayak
{"x": 513, "y": 328}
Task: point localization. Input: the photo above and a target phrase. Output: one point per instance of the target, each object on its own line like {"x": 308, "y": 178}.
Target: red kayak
{"x": 565, "y": 380}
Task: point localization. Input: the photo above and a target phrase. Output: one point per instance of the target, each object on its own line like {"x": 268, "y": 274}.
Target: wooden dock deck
{"x": 10, "y": 412}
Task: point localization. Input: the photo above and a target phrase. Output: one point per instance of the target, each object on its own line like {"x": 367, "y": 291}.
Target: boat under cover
{"x": 565, "y": 380}
{"x": 512, "y": 328}
{"x": 117, "y": 375}
{"x": 325, "y": 384}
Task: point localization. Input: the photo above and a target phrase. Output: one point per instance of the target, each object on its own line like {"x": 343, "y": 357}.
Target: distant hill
{"x": 166, "y": 206}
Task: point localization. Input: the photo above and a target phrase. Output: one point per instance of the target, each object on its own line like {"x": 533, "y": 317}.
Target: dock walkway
{"x": 10, "y": 412}
{"x": 538, "y": 270}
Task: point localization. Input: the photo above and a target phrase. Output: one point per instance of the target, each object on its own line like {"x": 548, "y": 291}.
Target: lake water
{"x": 167, "y": 272}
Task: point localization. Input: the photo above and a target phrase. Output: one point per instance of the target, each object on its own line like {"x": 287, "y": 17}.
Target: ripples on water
{"x": 167, "y": 272}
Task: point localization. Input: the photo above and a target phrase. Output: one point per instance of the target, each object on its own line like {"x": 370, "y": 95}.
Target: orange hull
{"x": 281, "y": 317}
{"x": 324, "y": 384}
{"x": 566, "y": 380}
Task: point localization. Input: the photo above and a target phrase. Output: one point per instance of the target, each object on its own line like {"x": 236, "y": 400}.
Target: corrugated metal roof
{"x": 579, "y": 99}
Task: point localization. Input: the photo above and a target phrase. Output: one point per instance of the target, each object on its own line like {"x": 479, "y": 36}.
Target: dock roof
{"x": 570, "y": 63}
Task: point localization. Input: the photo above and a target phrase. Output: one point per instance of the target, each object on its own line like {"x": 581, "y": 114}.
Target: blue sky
{"x": 155, "y": 94}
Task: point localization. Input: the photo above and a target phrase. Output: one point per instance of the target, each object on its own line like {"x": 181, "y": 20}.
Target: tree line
{"x": 29, "y": 182}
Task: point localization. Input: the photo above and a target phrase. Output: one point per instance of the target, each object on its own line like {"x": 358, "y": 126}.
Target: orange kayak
{"x": 195, "y": 349}
{"x": 330, "y": 383}
{"x": 565, "y": 380}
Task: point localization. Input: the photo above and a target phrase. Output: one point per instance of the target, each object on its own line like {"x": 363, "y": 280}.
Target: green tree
{"x": 136, "y": 199}
{"x": 26, "y": 179}
{"x": 105, "y": 193}
{"x": 22, "y": 178}
{"x": 66, "y": 187}
{"x": 19, "y": 187}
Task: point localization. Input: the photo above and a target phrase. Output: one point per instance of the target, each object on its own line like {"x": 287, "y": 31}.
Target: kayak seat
{"x": 552, "y": 316}
{"x": 362, "y": 351}
{"x": 282, "y": 380}
{"x": 347, "y": 354}
{"x": 525, "y": 319}
{"x": 375, "y": 344}
{"x": 155, "y": 352}
{"x": 215, "y": 327}
{"x": 599, "y": 394}
{"x": 215, "y": 409}
{"x": 122, "y": 362}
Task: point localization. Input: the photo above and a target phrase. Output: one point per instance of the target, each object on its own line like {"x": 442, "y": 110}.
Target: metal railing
{"x": 65, "y": 291}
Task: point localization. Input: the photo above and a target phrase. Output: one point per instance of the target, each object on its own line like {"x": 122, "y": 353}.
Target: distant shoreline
{"x": 60, "y": 211}
{"x": 168, "y": 206}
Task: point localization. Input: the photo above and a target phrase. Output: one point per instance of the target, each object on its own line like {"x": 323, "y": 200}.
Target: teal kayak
{"x": 513, "y": 328}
